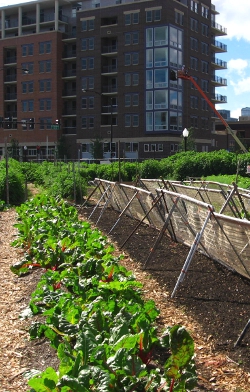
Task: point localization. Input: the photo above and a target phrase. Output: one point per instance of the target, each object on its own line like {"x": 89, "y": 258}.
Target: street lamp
{"x": 185, "y": 134}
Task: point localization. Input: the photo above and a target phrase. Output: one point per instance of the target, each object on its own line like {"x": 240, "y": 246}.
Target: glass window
{"x": 135, "y": 99}
{"x": 161, "y": 78}
{"x": 127, "y": 19}
{"x": 161, "y": 57}
{"x": 157, "y": 15}
{"x": 127, "y": 38}
{"x": 135, "y": 38}
{"x": 128, "y": 79}
{"x": 127, "y": 120}
{"x": 173, "y": 96}
{"x": 136, "y": 18}
{"x": 91, "y": 122}
{"x": 84, "y": 25}
{"x": 161, "y": 36}
{"x": 146, "y": 147}
{"x": 91, "y": 43}
{"x": 84, "y": 43}
{"x": 149, "y": 58}
{"x": 149, "y": 37}
{"x": 149, "y": 79}
{"x": 149, "y": 100}
{"x": 91, "y": 102}
{"x": 91, "y": 24}
{"x": 161, "y": 99}
{"x": 135, "y": 120}
{"x": 84, "y": 103}
{"x": 149, "y": 121}
{"x": 149, "y": 16}
{"x": 127, "y": 59}
{"x": 161, "y": 122}
{"x": 135, "y": 79}
{"x": 135, "y": 58}
{"x": 127, "y": 100}
{"x": 45, "y": 47}
{"x": 84, "y": 122}
{"x": 91, "y": 82}
{"x": 91, "y": 63}
{"x": 84, "y": 63}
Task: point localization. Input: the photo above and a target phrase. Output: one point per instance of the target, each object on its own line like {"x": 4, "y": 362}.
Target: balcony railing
{"x": 68, "y": 73}
{"x": 219, "y": 27}
{"x": 10, "y": 60}
{"x": 69, "y": 92}
{"x": 109, "y": 68}
{"x": 69, "y": 53}
{"x": 10, "y": 96}
{"x": 109, "y": 49}
{"x": 10, "y": 78}
{"x": 220, "y": 45}
{"x": 220, "y": 98}
{"x": 220, "y": 63}
{"x": 219, "y": 80}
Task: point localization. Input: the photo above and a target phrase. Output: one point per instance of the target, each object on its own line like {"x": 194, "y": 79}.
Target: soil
{"x": 212, "y": 303}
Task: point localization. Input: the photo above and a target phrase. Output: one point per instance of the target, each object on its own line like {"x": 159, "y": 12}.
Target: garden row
{"x": 92, "y": 310}
{"x": 69, "y": 180}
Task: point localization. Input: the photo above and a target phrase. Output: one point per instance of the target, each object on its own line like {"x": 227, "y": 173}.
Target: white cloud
{"x": 242, "y": 86}
{"x": 233, "y": 16}
{"x": 237, "y": 65}
{"x": 236, "y": 113}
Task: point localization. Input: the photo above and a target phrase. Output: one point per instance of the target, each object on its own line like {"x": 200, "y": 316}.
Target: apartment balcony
{"x": 69, "y": 54}
{"x": 219, "y": 47}
{"x": 109, "y": 89}
{"x": 218, "y": 29}
{"x": 10, "y": 97}
{"x": 109, "y": 69}
{"x": 218, "y": 64}
{"x": 217, "y": 98}
{"x": 69, "y": 112}
{"x": 109, "y": 109}
{"x": 10, "y": 78}
{"x": 213, "y": 10}
{"x": 70, "y": 74}
{"x": 10, "y": 60}
{"x": 218, "y": 81}
{"x": 108, "y": 50}
{"x": 69, "y": 93}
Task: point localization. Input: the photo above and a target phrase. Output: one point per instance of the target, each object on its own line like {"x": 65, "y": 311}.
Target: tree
{"x": 13, "y": 149}
{"x": 62, "y": 148}
{"x": 96, "y": 148}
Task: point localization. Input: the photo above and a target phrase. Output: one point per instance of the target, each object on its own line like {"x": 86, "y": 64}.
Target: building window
{"x": 84, "y": 122}
{"x": 194, "y": 63}
{"x": 45, "y": 47}
{"x": 45, "y": 66}
{"x": 27, "y": 87}
{"x": 135, "y": 99}
{"x": 149, "y": 16}
{"x": 194, "y": 121}
{"x": 194, "y": 102}
{"x": 91, "y": 122}
{"x": 127, "y": 100}
{"x": 27, "y": 50}
{"x": 160, "y": 36}
{"x": 160, "y": 147}
{"x": 161, "y": 121}
{"x": 29, "y": 66}
{"x": 194, "y": 44}
{"x": 194, "y": 6}
{"x": 174, "y": 147}
{"x": 45, "y": 122}
{"x": 179, "y": 18}
{"x": 157, "y": 15}
{"x": 205, "y": 30}
{"x": 44, "y": 85}
{"x": 131, "y": 18}
{"x": 146, "y": 147}
{"x": 127, "y": 120}
{"x": 127, "y": 19}
{"x": 194, "y": 24}
{"x": 88, "y": 24}
{"x": 135, "y": 79}
{"x": 205, "y": 85}
{"x": 204, "y": 11}
{"x": 135, "y": 120}
{"x": 204, "y": 67}
{"x": 131, "y": 58}
{"x": 205, "y": 48}
{"x": 204, "y": 104}
{"x": 28, "y": 105}
{"x": 45, "y": 104}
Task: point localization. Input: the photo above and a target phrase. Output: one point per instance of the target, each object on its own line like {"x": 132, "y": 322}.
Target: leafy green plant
{"x": 93, "y": 311}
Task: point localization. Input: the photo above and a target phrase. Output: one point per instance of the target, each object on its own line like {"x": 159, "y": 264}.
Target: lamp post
{"x": 185, "y": 134}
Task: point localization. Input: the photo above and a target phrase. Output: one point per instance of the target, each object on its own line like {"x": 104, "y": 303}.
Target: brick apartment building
{"x": 89, "y": 70}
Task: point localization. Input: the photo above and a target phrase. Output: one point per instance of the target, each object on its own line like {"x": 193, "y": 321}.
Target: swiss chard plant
{"x": 93, "y": 311}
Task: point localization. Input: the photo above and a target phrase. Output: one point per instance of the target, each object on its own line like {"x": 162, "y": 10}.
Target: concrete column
{"x": 38, "y": 17}
{"x": 3, "y": 23}
{"x": 20, "y": 14}
{"x": 56, "y": 14}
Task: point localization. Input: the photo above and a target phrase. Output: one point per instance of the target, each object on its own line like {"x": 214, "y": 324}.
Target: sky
{"x": 234, "y": 17}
